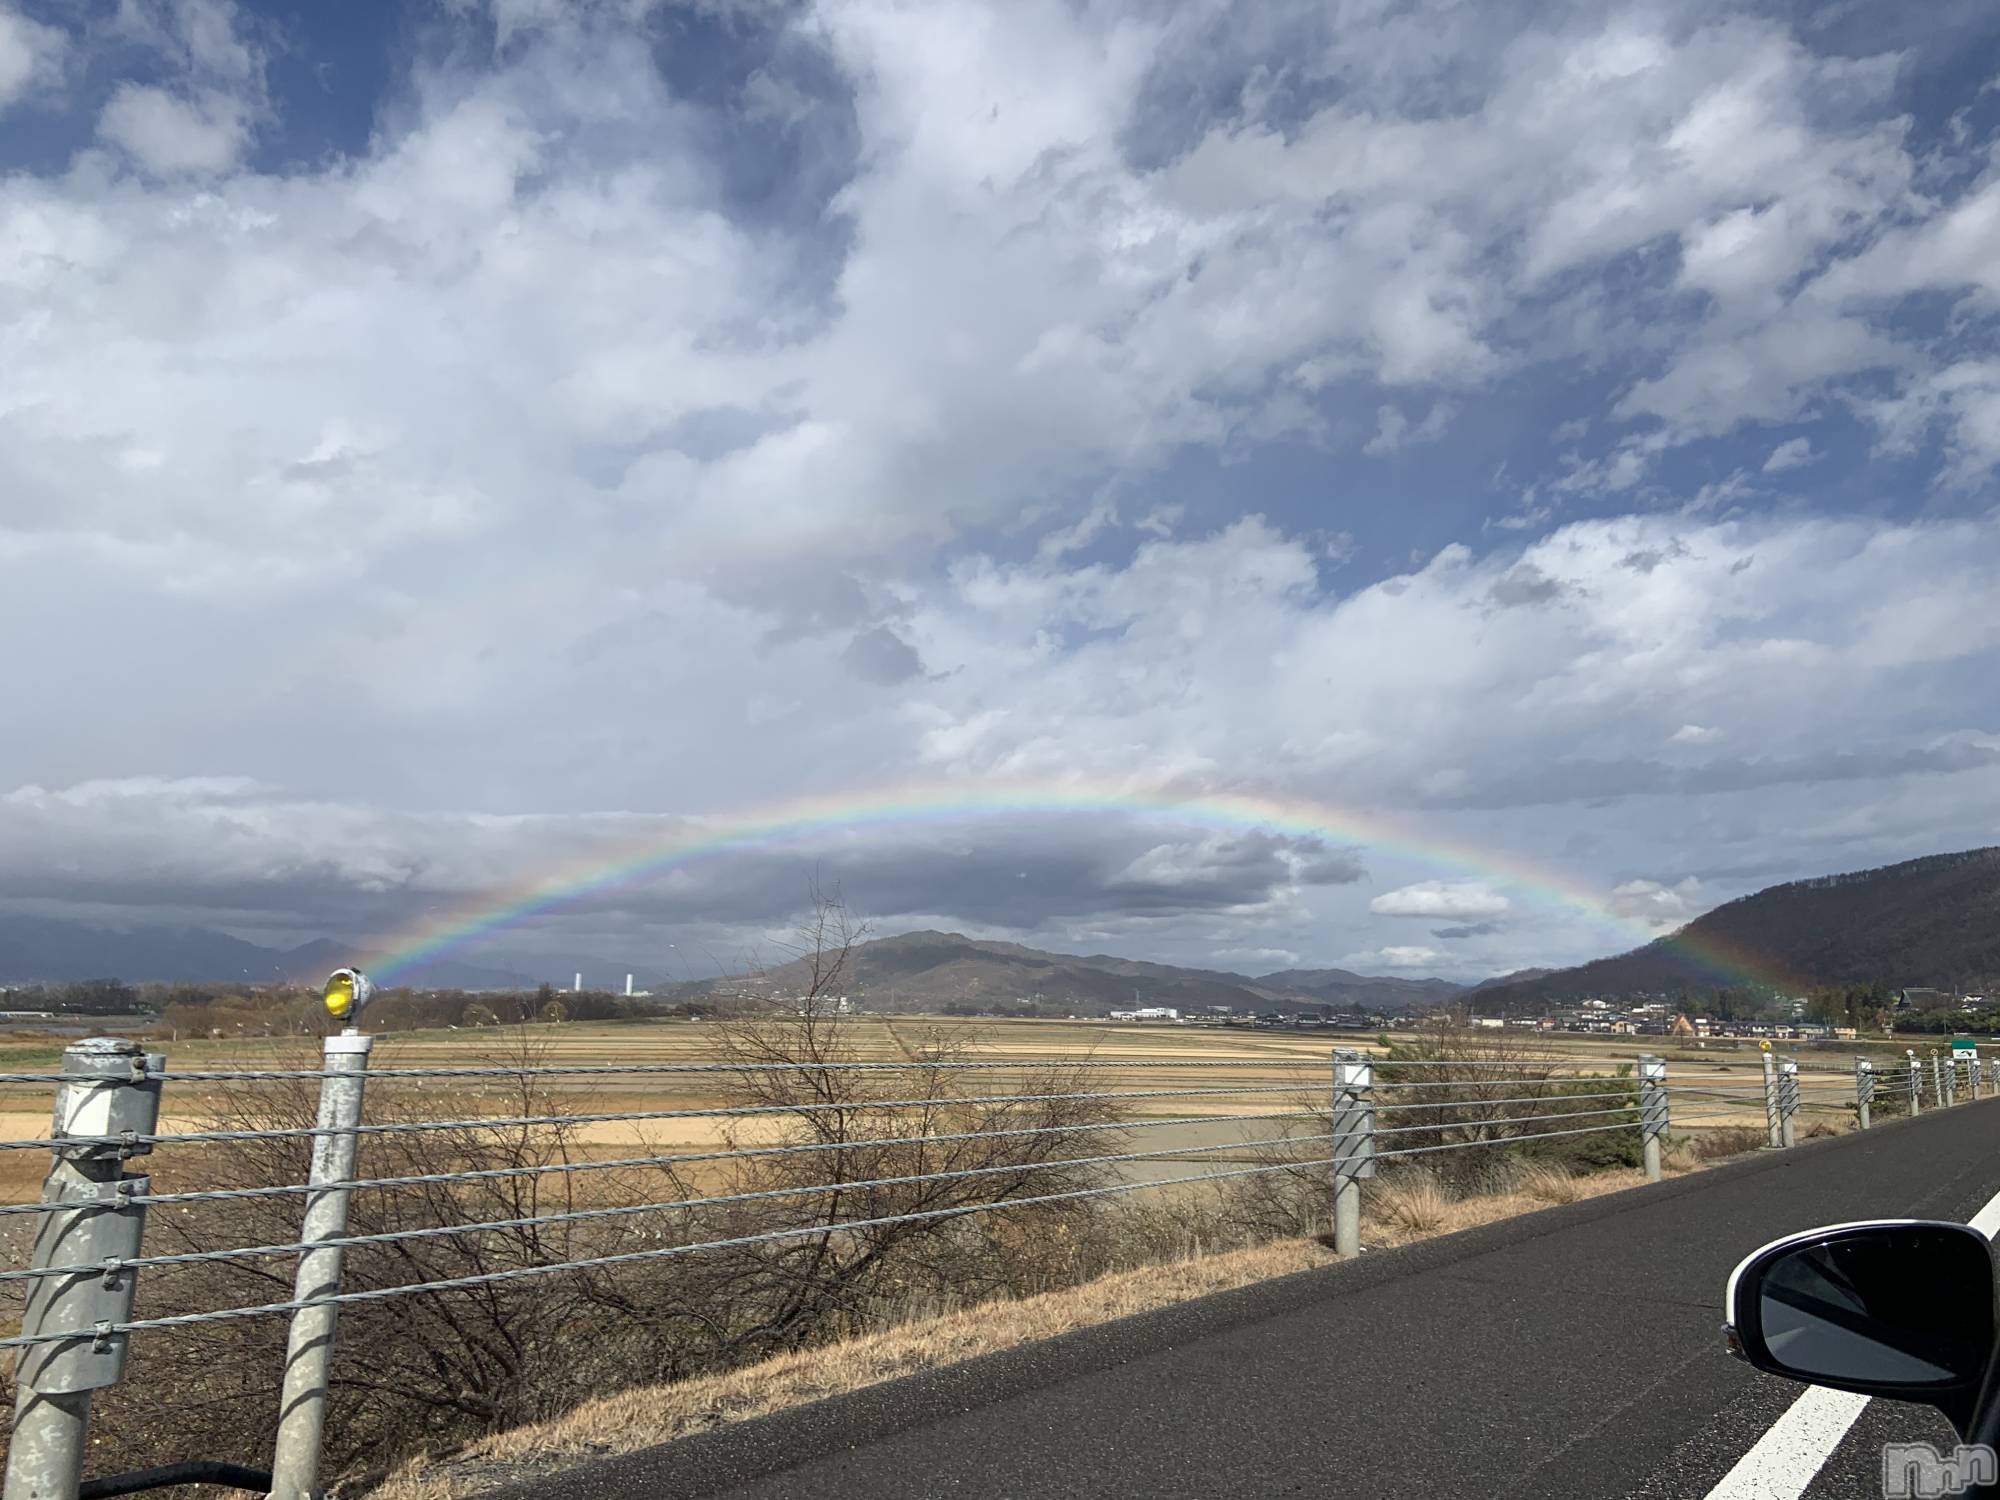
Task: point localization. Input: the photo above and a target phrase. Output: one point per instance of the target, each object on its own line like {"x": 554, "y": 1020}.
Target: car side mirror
{"x": 1897, "y": 1308}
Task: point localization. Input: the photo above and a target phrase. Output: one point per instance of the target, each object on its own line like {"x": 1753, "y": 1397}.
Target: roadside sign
{"x": 1964, "y": 1044}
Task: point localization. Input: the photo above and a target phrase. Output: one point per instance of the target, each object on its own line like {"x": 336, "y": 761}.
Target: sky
{"x": 447, "y": 446}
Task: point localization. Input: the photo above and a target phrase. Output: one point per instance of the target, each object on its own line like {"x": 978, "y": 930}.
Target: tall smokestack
{"x": 576, "y": 984}
{"x": 628, "y": 986}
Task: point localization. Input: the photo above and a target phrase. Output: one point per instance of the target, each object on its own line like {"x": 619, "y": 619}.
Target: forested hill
{"x": 927, "y": 970}
{"x": 1932, "y": 922}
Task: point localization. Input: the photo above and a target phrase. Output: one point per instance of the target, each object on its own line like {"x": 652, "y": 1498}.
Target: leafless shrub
{"x": 1452, "y": 1085}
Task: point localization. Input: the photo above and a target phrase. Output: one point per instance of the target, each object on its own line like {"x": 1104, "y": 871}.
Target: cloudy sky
{"x": 441, "y": 443}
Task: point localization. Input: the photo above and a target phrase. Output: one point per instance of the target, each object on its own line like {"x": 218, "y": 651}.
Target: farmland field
{"x": 1297, "y": 1076}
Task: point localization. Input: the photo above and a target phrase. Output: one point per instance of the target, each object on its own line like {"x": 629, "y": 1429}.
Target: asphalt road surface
{"x": 1573, "y": 1352}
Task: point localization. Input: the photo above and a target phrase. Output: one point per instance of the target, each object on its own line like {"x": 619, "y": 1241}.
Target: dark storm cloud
{"x": 150, "y": 848}
{"x": 1476, "y": 929}
{"x": 882, "y": 657}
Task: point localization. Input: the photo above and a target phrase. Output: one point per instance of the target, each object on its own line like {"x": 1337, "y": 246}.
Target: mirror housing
{"x": 1900, "y": 1308}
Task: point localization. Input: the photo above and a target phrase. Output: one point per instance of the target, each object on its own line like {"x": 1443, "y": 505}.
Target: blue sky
{"x": 486, "y": 432}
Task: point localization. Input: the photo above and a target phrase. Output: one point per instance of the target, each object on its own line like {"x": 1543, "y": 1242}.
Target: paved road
{"x": 1572, "y": 1352}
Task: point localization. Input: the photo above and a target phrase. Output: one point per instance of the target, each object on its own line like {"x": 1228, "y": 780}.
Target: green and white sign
{"x": 1964, "y": 1045}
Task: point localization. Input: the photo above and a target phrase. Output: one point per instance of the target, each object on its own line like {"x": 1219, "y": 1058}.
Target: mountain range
{"x": 1931, "y": 923}
{"x": 55, "y": 950}
{"x": 925, "y": 970}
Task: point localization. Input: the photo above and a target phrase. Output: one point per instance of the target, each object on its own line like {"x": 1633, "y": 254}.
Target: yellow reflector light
{"x": 347, "y": 990}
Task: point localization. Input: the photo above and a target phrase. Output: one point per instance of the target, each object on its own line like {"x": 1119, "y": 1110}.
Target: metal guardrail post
{"x": 1788, "y": 1099}
{"x": 309, "y": 1349}
{"x": 1916, "y": 1082}
{"x": 1771, "y": 1112}
{"x": 1864, "y": 1090}
{"x": 1653, "y": 1113}
{"x": 1353, "y": 1145}
{"x": 97, "y": 1226}
{"x": 1937, "y": 1080}
{"x": 1951, "y": 1079}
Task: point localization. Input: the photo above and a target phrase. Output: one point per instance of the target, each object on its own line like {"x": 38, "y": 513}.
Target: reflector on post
{"x": 346, "y": 992}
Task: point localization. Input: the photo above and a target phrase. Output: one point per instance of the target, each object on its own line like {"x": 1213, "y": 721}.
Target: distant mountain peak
{"x": 1930, "y": 922}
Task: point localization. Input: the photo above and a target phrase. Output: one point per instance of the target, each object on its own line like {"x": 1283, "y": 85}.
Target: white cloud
{"x": 1793, "y": 453}
{"x": 1950, "y": 250}
{"x": 201, "y": 123}
{"x": 1217, "y": 652}
{"x": 1660, "y": 905}
{"x": 1464, "y": 899}
{"x": 1964, "y": 398}
{"x": 169, "y": 135}
{"x": 1695, "y": 734}
{"x": 1393, "y": 430}
{"x": 29, "y": 52}
{"x": 1402, "y": 956}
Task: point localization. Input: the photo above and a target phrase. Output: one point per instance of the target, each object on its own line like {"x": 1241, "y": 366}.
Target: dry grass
{"x": 1697, "y": 1148}
{"x": 1398, "y": 1210}
{"x": 1382, "y": 1229}
{"x": 1413, "y": 1202}
{"x": 1548, "y": 1182}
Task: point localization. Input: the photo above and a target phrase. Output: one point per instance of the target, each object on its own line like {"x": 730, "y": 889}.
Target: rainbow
{"x": 695, "y": 838}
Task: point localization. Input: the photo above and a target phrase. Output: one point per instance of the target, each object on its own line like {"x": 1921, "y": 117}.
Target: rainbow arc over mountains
{"x": 802, "y": 821}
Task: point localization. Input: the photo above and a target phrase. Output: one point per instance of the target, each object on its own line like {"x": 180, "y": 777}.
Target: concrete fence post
{"x": 1653, "y": 1117}
{"x": 1937, "y": 1080}
{"x": 1916, "y": 1082}
{"x": 309, "y": 1349}
{"x": 1788, "y": 1100}
{"x": 1976, "y": 1066}
{"x": 1864, "y": 1090}
{"x": 1353, "y": 1144}
{"x": 117, "y": 1094}
{"x": 1771, "y": 1113}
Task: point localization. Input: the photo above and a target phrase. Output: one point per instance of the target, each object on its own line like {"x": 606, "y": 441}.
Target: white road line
{"x": 1987, "y": 1220}
{"x": 1789, "y": 1457}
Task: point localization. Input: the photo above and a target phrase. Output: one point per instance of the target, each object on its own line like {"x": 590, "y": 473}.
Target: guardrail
{"x": 884, "y": 1142}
